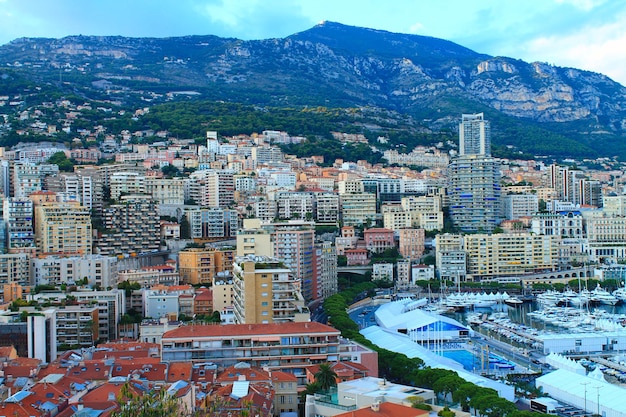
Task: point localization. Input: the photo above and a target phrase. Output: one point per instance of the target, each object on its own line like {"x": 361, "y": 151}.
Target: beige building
{"x": 265, "y": 291}
{"x": 497, "y": 255}
{"x": 358, "y": 208}
{"x": 15, "y": 268}
{"x": 606, "y": 237}
{"x": 166, "y": 190}
{"x": 395, "y": 217}
{"x": 252, "y": 239}
{"x": 63, "y": 228}
{"x": 125, "y": 183}
{"x": 199, "y": 266}
{"x": 77, "y": 326}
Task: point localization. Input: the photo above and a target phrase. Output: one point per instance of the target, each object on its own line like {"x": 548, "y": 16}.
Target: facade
{"x": 294, "y": 244}
{"x": 212, "y": 223}
{"x": 606, "y": 238}
{"x": 160, "y": 303}
{"x": 252, "y": 239}
{"x": 15, "y": 268}
{"x": 474, "y": 193}
{"x": 18, "y": 218}
{"x": 520, "y": 205}
{"x": 358, "y": 208}
{"x": 474, "y": 135}
{"x": 199, "y": 266}
{"x": 211, "y": 188}
{"x": 166, "y": 190}
{"x": 125, "y": 183}
{"x": 395, "y": 217}
{"x": 57, "y": 270}
{"x": 567, "y": 224}
{"x": 265, "y": 291}
{"x": 379, "y": 239}
{"x": 498, "y": 255}
{"x": 63, "y": 228}
{"x": 326, "y": 208}
{"x": 289, "y": 347}
{"x": 76, "y": 326}
{"x": 295, "y": 205}
{"x": 133, "y": 226}
{"x": 411, "y": 243}
{"x": 325, "y": 270}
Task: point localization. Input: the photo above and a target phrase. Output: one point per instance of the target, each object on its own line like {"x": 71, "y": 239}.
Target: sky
{"x": 584, "y": 34}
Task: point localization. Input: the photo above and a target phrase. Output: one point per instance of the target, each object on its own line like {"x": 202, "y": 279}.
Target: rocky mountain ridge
{"x": 335, "y": 65}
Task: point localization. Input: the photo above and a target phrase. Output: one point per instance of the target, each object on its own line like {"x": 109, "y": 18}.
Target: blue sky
{"x": 586, "y": 34}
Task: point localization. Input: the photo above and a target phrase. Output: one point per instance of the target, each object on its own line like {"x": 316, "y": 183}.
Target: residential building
{"x": 130, "y": 227}
{"x": 15, "y": 268}
{"x": 58, "y": 270}
{"x": 63, "y": 228}
{"x": 411, "y": 243}
{"x": 520, "y": 205}
{"x": 127, "y": 183}
{"x": 294, "y": 243}
{"x": 199, "y": 266}
{"x": 289, "y": 347}
{"x": 379, "y": 239}
{"x": 77, "y": 326}
{"x": 265, "y": 291}
{"x": 160, "y": 303}
{"x": 325, "y": 272}
{"x": 358, "y": 209}
{"x": 166, "y": 190}
{"x": 252, "y": 239}
{"x": 500, "y": 255}
{"x": 18, "y": 218}
{"x": 212, "y": 222}
{"x": 474, "y": 194}
{"x": 474, "y": 135}
{"x": 326, "y": 208}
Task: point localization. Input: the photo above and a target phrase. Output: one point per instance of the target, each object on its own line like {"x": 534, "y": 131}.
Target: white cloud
{"x": 585, "y": 5}
{"x": 594, "y": 48}
{"x": 416, "y": 27}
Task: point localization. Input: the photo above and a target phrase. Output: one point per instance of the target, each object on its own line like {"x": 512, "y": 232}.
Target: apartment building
{"x": 57, "y": 270}
{"x": 395, "y": 217}
{"x": 520, "y": 205}
{"x": 411, "y": 243}
{"x": 131, "y": 227}
{"x": 606, "y": 237}
{"x": 358, "y": 209}
{"x": 498, "y": 255}
{"x": 325, "y": 271}
{"x": 266, "y": 291}
{"x": 326, "y": 208}
{"x": 295, "y": 205}
{"x": 379, "y": 239}
{"x": 567, "y": 224}
{"x": 63, "y": 228}
{"x": 212, "y": 222}
{"x": 18, "y": 218}
{"x": 15, "y": 268}
{"x": 252, "y": 239}
{"x": 199, "y": 266}
{"x": 125, "y": 183}
{"x": 289, "y": 347}
{"x": 77, "y": 326}
{"x": 166, "y": 190}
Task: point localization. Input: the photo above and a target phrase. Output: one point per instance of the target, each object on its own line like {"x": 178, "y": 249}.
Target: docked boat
{"x": 602, "y": 296}
{"x": 620, "y": 294}
{"x": 513, "y": 301}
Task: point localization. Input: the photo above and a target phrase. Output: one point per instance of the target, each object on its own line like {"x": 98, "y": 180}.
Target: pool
{"x": 471, "y": 362}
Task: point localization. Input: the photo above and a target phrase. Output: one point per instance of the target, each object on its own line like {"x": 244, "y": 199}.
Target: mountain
{"x": 331, "y": 64}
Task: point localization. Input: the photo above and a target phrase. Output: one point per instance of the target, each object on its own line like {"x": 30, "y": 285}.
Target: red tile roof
{"x": 227, "y": 330}
{"x": 179, "y": 370}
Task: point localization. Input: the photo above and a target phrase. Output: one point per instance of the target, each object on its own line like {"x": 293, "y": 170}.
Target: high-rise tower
{"x": 474, "y": 193}
{"x": 474, "y": 135}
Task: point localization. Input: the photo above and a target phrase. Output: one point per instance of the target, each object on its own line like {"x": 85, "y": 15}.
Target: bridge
{"x": 355, "y": 269}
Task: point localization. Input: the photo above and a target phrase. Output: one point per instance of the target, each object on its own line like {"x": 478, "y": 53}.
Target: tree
{"x": 326, "y": 377}
{"x": 150, "y": 404}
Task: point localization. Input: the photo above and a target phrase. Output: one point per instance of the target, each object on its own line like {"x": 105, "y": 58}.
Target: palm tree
{"x": 326, "y": 377}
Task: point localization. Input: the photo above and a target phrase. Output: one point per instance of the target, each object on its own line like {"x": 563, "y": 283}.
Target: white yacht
{"x": 620, "y": 294}
{"x": 602, "y": 296}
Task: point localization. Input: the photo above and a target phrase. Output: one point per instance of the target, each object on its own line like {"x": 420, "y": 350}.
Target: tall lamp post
{"x": 597, "y": 387}
{"x": 585, "y": 385}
